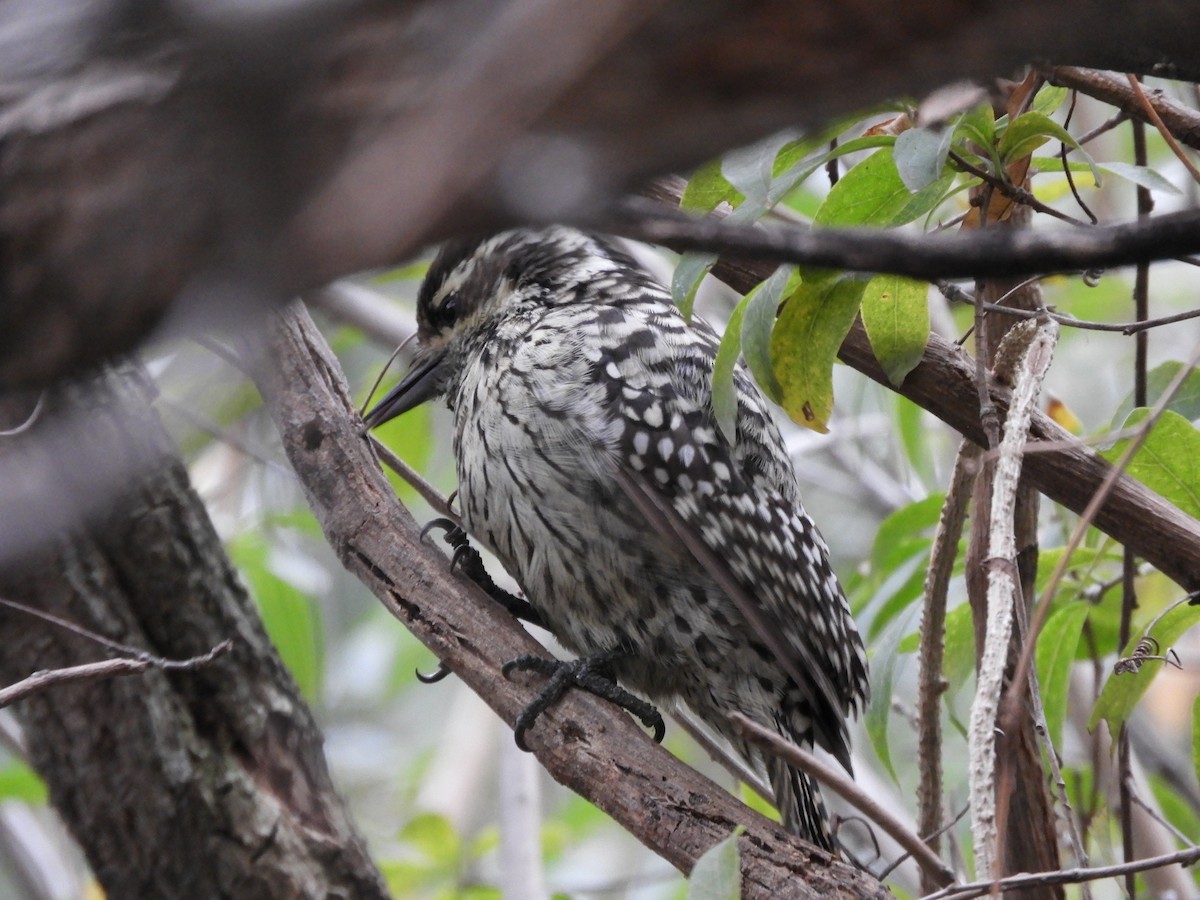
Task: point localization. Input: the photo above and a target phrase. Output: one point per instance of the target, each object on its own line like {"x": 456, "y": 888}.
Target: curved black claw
{"x": 435, "y": 676}
{"x": 592, "y": 674}
{"x": 467, "y": 560}
{"x": 446, "y": 525}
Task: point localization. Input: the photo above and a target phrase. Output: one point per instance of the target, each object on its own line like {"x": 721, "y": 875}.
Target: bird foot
{"x": 593, "y": 674}
{"x": 466, "y": 559}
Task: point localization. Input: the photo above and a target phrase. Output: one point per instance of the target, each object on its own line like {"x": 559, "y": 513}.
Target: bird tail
{"x": 799, "y": 802}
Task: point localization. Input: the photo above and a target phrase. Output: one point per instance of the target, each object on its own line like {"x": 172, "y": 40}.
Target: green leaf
{"x": 1143, "y": 176}
{"x": 805, "y": 342}
{"x": 883, "y": 674}
{"x": 920, "y": 155}
{"x": 895, "y": 311}
{"x": 717, "y": 874}
{"x": 799, "y": 170}
{"x": 1030, "y": 130}
{"x": 434, "y": 837}
{"x": 685, "y": 282}
{"x": 959, "y": 659}
{"x": 751, "y": 169}
{"x": 914, "y": 436}
{"x": 901, "y": 589}
{"x": 900, "y": 531}
{"x": 762, "y": 306}
{"x": 979, "y": 127}
{"x": 708, "y": 188}
{"x": 410, "y": 437}
{"x": 1196, "y": 736}
{"x": 1168, "y": 462}
{"x": 1186, "y": 401}
{"x": 872, "y": 193}
{"x": 1055, "y": 656}
{"x": 1175, "y": 806}
{"x": 19, "y": 782}
{"x": 724, "y": 396}
{"x": 287, "y": 613}
{"x": 1121, "y": 693}
{"x": 1048, "y": 99}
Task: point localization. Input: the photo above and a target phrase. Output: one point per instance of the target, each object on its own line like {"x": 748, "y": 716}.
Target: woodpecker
{"x": 668, "y": 557}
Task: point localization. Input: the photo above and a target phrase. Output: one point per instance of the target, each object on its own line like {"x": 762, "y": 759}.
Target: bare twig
{"x": 1003, "y": 586}
{"x": 933, "y": 644}
{"x": 1012, "y": 191}
{"x": 1126, "y": 328}
{"x": 108, "y": 668}
{"x": 1064, "y": 876}
{"x": 846, "y": 788}
{"x": 1155, "y": 119}
{"x": 432, "y": 495}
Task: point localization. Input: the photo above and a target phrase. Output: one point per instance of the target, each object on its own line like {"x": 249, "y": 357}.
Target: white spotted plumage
{"x": 566, "y": 363}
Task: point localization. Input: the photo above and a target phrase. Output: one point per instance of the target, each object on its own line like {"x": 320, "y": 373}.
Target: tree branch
{"x": 944, "y": 384}
{"x": 583, "y": 742}
{"x": 983, "y": 253}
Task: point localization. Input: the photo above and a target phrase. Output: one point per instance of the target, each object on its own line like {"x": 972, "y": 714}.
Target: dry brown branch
{"x": 931, "y": 867}
{"x": 96, "y": 671}
{"x": 1182, "y": 122}
{"x": 1064, "y": 876}
{"x": 932, "y": 683}
{"x": 583, "y": 742}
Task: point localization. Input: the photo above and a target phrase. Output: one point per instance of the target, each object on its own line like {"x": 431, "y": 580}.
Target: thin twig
{"x": 929, "y": 840}
{"x": 1158, "y": 817}
{"x": 1064, "y": 876}
{"x": 124, "y": 649}
{"x": 1042, "y": 730}
{"x": 932, "y": 682}
{"x": 851, "y": 792}
{"x": 1011, "y": 191}
{"x": 432, "y": 495}
{"x": 1126, "y": 328}
{"x": 108, "y": 668}
{"x": 1156, "y": 120}
{"x": 720, "y": 753}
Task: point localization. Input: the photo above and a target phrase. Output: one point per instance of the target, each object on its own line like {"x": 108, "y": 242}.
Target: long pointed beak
{"x": 420, "y": 384}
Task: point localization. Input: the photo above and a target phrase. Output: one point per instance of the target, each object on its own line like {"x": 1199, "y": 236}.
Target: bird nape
{"x": 582, "y": 403}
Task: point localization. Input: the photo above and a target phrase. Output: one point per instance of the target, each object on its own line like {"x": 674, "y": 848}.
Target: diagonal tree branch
{"x": 583, "y": 742}
{"x": 944, "y": 384}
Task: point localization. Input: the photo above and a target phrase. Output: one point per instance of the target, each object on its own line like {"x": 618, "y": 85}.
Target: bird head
{"x": 473, "y": 283}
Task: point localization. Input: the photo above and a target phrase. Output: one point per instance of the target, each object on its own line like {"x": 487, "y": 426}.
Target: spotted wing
{"x": 735, "y": 508}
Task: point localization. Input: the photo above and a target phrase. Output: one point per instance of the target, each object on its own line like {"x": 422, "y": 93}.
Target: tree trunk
{"x": 202, "y": 783}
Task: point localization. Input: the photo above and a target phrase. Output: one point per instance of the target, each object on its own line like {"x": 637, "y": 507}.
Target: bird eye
{"x": 449, "y": 307}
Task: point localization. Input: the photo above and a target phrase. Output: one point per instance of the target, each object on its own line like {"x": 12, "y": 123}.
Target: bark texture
{"x": 203, "y": 783}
